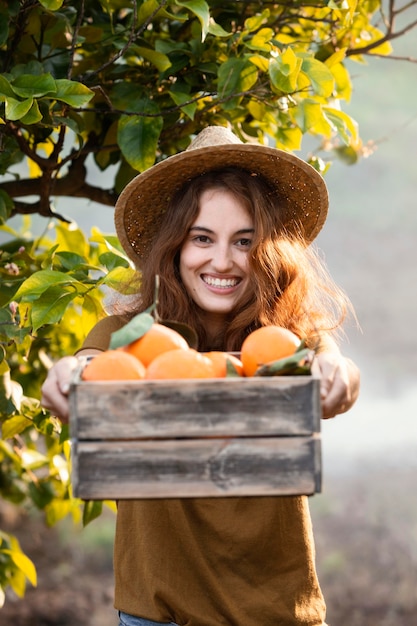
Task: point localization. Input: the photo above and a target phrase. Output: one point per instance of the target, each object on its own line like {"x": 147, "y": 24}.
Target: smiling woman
{"x": 226, "y": 226}
{"x": 214, "y": 257}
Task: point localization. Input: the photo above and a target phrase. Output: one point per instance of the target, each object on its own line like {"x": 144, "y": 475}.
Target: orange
{"x": 114, "y": 365}
{"x": 157, "y": 340}
{"x": 180, "y": 364}
{"x": 265, "y": 345}
{"x": 219, "y": 360}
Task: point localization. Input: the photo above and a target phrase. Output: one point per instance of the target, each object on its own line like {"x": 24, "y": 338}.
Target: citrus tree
{"x": 123, "y": 84}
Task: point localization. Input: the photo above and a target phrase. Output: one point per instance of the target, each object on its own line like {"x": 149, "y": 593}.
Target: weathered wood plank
{"x": 190, "y": 408}
{"x": 197, "y": 468}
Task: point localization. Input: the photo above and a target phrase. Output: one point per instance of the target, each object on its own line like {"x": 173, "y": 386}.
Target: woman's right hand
{"x": 56, "y": 386}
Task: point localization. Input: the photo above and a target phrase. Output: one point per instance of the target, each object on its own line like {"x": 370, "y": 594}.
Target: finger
{"x": 55, "y": 389}
{"x": 337, "y": 399}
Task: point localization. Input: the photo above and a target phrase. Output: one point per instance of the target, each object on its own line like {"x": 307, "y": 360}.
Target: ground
{"x": 75, "y": 577}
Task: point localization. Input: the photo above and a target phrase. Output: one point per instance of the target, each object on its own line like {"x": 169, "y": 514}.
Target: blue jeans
{"x": 131, "y": 620}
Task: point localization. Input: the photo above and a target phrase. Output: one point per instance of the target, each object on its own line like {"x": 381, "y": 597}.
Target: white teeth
{"x": 220, "y": 282}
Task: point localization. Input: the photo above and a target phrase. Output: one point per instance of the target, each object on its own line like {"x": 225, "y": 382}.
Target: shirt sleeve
{"x": 99, "y": 336}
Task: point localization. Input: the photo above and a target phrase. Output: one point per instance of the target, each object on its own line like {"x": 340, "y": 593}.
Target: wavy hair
{"x": 290, "y": 285}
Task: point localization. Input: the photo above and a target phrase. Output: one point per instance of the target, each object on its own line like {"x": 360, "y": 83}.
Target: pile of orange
{"x": 162, "y": 353}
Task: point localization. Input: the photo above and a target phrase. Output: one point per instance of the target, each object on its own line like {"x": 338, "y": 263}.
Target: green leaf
{"x": 153, "y": 8}
{"x": 180, "y": 99}
{"x": 231, "y": 371}
{"x": 5, "y": 88}
{"x": 216, "y": 30}
{"x": 6, "y": 206}
{"x": 74, "y": 122}
{"x": 133, "y": 330}
{"x": 255, "y": 22}
{"x": 138, "y": 138}
{"x": 64, "y": 434}
{"x": 23, "y": 563}
{"x": 346, "y": 126}
{"x": 161, "y": 61}
{"x": 52, "y": 5}
{"x": 319, "y": 75}
{"x": 311, "y": 118}
{"x": 289, "y": 138}
{"x": 32, "y": 86}
{"x": 42, "y": 493}
{"x": 92, "y": 510}
{"x": 122, "y": 279}
{"x": 342, "y": 80}
{"x": 14, "y": 426}
{"x": 56, "y": 510}
{"x": 261, "y": 40}
{"x": 33, "y": 116}
{"x": 347, "y": 154}
{"x": 72, "y": 260}
{"x": 236, "y": 76}
{"x": 111, "y": 260}
{"x": 39, "y": 282}
{"x": 51, "y": 306}
{"x": 73, "y": 93}
{"x": 91, "y": 312}
{"x": 336, "y": 58}
{"x": 373, "y": 35}
{"x": 111, "y": 242}
{"x": 298, "y": 363}
{"x": 201, "y": 9}
{"x": 284, "y": 71}
{"x": 70, "y": 237}
{"x": 16, "y": 109}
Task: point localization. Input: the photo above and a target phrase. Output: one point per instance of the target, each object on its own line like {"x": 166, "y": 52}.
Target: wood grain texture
{"x": 191, "y": 408}
{"x": 197, "y": 468}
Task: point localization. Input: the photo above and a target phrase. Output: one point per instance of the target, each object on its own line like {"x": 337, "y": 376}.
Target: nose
{"x": 222, "y": 260}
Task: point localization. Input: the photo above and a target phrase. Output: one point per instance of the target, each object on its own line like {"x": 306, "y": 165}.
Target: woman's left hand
{"x": 340, "y": 382}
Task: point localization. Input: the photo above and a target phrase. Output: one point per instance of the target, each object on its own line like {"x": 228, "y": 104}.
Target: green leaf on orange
{"x": 298, "y": 363}
{"x": 133, "y": 330}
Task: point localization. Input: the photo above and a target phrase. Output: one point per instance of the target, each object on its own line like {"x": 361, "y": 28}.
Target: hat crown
{"x": 213, "y": 136}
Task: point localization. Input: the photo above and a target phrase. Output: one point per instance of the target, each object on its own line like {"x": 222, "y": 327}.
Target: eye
{"x": 201, "y": 239}
{"x": 244, "y": 243}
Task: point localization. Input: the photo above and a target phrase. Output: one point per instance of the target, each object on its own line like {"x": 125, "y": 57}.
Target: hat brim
{"x": 302, "y": 192}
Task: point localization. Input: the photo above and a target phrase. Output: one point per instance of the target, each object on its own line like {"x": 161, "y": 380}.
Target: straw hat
{"x": 302, "y": 192}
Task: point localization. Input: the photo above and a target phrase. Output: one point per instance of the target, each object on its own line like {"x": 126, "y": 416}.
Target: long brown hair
{"x": 290, "y": 284}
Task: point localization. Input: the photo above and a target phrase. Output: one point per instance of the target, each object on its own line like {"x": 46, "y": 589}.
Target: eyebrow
{"x": 242, "y": 231}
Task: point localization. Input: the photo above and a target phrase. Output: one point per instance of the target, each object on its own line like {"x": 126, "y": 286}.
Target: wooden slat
{"x": 204, "y": 408}
{"x": 197, "y": 468}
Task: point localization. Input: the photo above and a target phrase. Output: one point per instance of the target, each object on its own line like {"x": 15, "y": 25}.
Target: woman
{"x": 227, "y": 228}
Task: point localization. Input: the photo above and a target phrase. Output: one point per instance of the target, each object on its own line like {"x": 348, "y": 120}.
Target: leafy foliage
{"x": 126, "y": 83}
{"x": 52, "y": 293}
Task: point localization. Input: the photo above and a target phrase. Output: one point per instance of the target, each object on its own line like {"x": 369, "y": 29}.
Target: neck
{"x": 215, "y": 326}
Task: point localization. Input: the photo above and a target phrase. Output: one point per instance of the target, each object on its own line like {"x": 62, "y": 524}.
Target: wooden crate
{"x": 196, "y": 438}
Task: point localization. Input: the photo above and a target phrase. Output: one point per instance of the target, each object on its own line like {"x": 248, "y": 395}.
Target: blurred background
{"x": 365, "y": 519}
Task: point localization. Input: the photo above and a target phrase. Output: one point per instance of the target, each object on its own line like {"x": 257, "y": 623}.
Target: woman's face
{"x": 214, "y": 256}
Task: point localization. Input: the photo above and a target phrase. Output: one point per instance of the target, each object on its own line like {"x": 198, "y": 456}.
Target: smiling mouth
{"x": 221, "y": 283}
